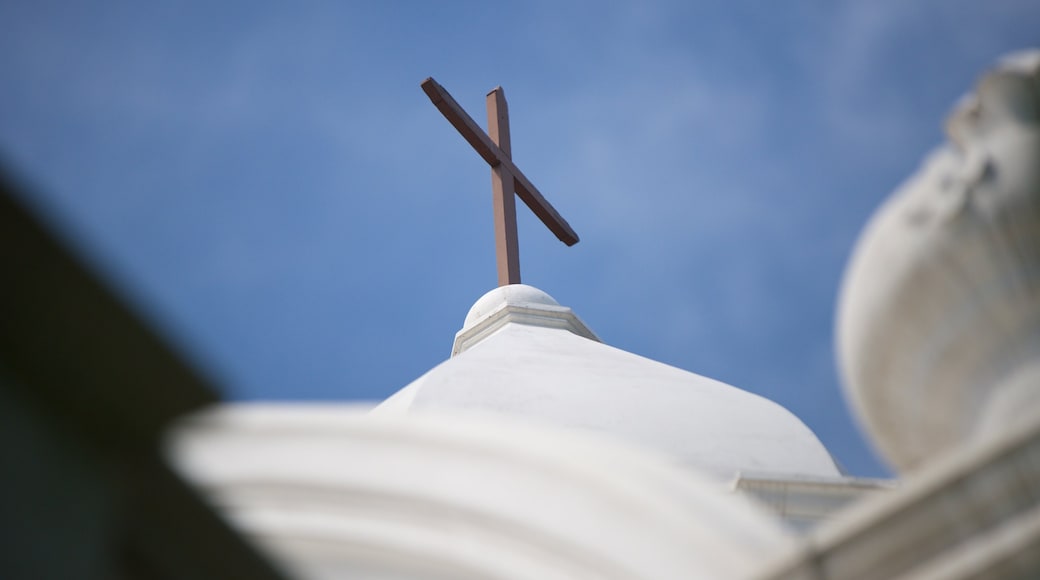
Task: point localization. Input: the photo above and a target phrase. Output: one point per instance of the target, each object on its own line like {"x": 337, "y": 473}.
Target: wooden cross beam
{"x": 506, "y": 178}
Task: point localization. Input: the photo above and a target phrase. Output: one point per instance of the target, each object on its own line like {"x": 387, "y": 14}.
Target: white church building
{"x": 538, "y": 452}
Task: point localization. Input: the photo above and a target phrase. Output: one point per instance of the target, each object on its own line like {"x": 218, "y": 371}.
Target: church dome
{"x": 522, "y": 354}
{"x": 511, "y": 295}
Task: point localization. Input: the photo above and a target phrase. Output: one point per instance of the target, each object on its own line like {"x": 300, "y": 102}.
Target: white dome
{"x": 513, "y": 294}
{"x": 542, "y": 368}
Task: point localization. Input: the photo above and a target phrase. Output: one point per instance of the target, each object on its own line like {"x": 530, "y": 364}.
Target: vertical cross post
{"x": 507, "y": 246}
{"x": 506, "y": 177}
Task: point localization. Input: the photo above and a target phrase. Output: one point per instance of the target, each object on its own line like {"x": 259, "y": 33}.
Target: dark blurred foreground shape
{"x": 86, "y": 391}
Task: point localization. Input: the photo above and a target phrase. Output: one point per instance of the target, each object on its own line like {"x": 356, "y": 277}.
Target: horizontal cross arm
{"x": 461, "y": 120}
{"x": 541, "y": 207}
{"x": 494, "y": 156}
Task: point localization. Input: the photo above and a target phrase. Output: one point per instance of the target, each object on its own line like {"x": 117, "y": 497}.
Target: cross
{"x": 506, "y": 178}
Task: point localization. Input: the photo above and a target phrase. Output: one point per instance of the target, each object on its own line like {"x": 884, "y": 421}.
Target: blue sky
{"x": 271, "y": 187}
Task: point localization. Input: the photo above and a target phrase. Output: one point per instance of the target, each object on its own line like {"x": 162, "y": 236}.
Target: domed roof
{"x": 511, "y": 295}
{"x": 523, "y": 355}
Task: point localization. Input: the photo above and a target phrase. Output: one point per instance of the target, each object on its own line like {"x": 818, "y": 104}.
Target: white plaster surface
{"x": 335, "y": 493}
{"x": 552, "y": 376}
{"x": 513, "y": 294}
{"x": 939, "y": 318}
{"x": 971, "y": 514}
{"x": 804, "y": 502}
{"x": 516, "y": 303}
